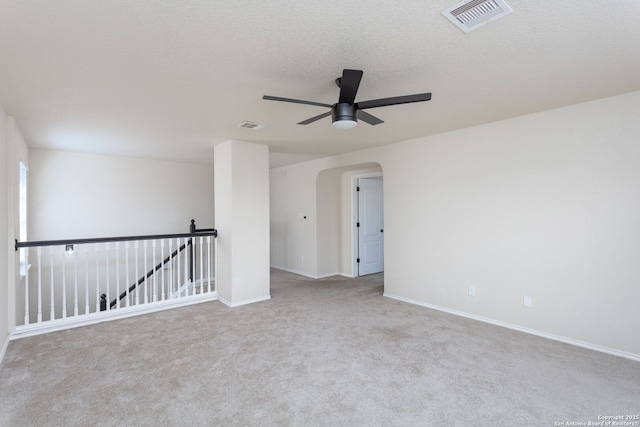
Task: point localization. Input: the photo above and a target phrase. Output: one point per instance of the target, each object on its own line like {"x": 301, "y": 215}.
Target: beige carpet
{"x": 330, "y": 352}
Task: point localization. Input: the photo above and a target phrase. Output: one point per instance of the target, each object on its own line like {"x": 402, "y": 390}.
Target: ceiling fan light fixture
{"x": 345, "y": 123}
{"x": 344, "y": 115}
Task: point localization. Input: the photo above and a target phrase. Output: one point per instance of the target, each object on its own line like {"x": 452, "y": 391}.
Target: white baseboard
{"x": 93, "y": 318}
{"x": 322, "y": 276}
{"x": 245, "y": 302}
{"x": 566, "y": 340}
{"x": 4, "y": 349}
{"x": 299, "y": 273}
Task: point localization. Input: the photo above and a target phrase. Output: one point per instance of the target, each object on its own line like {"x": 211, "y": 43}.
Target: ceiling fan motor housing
{"x": 344, "y": 111}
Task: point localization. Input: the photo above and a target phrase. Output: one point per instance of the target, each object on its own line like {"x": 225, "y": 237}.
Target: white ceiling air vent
{"x": 250, "y": 125}
{"x": 471, "y": 14}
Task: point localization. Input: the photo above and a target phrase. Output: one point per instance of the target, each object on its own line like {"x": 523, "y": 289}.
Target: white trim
{"x": 288, "y": 270}
{"x": 566, "y": 340}
{"x": 322, "y": 276}
{"x": 93, "y": 318}
{"x": 4, "y": 349}
{"x": 245, "y": 302}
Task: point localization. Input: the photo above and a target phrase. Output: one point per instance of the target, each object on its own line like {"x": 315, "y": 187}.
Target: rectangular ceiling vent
{"x": 250, "y": 125}
{"x": 471, "y": 14}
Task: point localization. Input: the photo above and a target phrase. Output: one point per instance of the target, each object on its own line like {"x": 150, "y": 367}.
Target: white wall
{"x": 328, "y": 221}
{"x": 545, "y": 205}
{"x": 293, "y": 239}
{"x": 18, "y": 152}
{"x": 4, "y": 228}
{"x": 74, "y": 195}
{"x": 13, "y": 150}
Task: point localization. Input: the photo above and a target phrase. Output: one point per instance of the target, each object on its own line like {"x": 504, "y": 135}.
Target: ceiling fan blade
{"x": 349, "y": 84}
{"x": 296, "y": 101}
{"x": 383, "y": 102}
{"x": 313, "y": 119}
{"x": 368, "y": 118}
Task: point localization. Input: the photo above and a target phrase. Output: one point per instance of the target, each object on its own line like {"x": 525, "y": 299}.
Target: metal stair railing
{"x": 75, "y": 278}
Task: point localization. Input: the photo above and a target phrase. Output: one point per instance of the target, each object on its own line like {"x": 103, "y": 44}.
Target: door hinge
{"x": 357, "y": 224}
{"x": 357, "y": 188}
{"x": 358, "y": 260}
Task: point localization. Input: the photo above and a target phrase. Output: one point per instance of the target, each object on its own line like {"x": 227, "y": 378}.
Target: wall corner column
{"x": 241, "y": 176}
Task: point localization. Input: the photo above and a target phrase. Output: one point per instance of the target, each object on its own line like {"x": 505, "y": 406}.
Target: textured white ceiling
{"x": 169, "y": 79}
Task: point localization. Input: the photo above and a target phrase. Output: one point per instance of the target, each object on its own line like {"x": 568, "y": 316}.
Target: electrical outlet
{"x": 527, "y": 301}
{"x": 472, "y": 291}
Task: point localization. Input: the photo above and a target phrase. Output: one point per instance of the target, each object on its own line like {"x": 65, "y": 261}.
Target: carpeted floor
{"x": 330, "y": 352}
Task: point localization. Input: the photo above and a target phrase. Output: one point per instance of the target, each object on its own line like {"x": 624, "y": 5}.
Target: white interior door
{"x": 371, "y": 228}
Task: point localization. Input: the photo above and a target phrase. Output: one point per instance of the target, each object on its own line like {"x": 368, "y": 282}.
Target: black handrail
{"x": 33, "y": 244}
{"x": 193, "y": 229}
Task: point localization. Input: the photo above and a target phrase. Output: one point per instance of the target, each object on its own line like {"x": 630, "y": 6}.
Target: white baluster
{"x": 170, "y": 268}
{"x": 53, "y": 310}
{"x": 26, "y": 285}
{"x": 209, "y": 263}
{"x": 64, "y": 285}
{"x": 162, "y": 268}
{"x": 52, "y": 314}
{"x": 86, "y": 280}
{"x": 39, "y": 252}
{"x": 137, "y": 275}
{"x": 96, "y": 250}
{"x": 215, "y": 264}
{"x": 153, "y": 276}
{"x": 145, "y": 281}
{"x": 126, "y": 273}
{"x": 201, "y": 265}
{"x": 106, "y": 257}
{"x": 75, "y": 286}
{"x": 178, "y": 269}
{"x": 186, "y": 266}
{"x": 117, "y": 275}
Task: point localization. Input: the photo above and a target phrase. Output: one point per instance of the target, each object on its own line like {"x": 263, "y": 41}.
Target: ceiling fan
{"x": 346, "y": 112}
